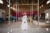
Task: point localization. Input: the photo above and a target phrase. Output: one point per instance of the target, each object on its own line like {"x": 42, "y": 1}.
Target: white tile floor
{"x": 16, "y": 28}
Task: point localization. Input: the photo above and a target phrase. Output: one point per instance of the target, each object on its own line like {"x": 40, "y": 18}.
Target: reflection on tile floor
{"x": 16, "y": 28}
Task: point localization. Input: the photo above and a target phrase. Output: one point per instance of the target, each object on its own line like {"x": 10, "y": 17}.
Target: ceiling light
{"x": 1, "y": 1}
{"x": 8, "y": 5}
{"x": 48, "y": 2}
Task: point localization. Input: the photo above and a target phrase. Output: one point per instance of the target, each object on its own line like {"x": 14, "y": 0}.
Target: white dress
{"x": 24, "y": 22}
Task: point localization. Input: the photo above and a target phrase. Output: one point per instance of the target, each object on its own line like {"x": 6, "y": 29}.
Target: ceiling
{"x": 41, "y": 2}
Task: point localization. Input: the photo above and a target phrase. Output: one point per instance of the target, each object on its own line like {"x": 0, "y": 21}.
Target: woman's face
{"x": 24, "y": 14}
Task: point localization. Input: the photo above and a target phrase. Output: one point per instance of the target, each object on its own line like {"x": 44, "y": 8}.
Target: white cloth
{"x": 24, "y": 19}
{"x": 24, "y": 22}
{"x": 24, "y": 26}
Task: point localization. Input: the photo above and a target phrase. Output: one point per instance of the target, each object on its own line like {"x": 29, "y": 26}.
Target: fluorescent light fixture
{"x": 8, "y": 5}
{"x": 1, "y": 1}
{"x": 48, "y": 1}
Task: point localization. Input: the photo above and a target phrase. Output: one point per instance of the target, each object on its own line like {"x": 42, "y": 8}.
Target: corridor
{"x": 16, "y": 28}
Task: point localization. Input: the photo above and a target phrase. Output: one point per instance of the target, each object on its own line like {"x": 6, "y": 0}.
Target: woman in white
{"x": 24, "y": 22}
{"x": 24, "y": 18}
